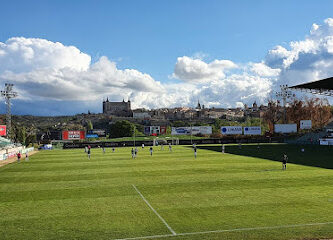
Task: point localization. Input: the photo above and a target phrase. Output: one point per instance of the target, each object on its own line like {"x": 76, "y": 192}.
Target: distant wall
{"x": 181, "y": 142}
{"x": 11, "y": 152}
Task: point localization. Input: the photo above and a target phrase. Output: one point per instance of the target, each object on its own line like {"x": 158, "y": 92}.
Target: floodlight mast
{"x": 8, "y": 94}
{"x": 285, "y": 94}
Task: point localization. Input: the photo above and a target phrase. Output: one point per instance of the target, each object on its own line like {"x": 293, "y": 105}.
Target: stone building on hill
{"x": 121, "y": 109}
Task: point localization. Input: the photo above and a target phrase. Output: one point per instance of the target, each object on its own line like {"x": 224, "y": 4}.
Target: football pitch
{"x": 242, "y": 194}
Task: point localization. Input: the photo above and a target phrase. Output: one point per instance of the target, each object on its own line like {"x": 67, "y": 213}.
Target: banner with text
{"x": 205, "y": 130}
{"x": 252, "y": 130}
{"x": 73, "y": 135}
{"x": 2, "y": 130}
{"x": 285, "y": 128}
{"x": 98, "y": 132}
{"x": 305, "y": 124}
{"x": 231, "y": 130}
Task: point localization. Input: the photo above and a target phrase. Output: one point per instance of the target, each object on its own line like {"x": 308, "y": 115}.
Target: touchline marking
{"x": 165, "y": 223}
{"x": 226, "y": 230}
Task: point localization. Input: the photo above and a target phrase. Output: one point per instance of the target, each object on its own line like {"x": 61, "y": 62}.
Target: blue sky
{"x": 150, "y": 36}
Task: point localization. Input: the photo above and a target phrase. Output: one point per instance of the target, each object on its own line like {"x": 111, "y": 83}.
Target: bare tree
{"x": 315, "y": 109}
{"x": 273, "y": 114}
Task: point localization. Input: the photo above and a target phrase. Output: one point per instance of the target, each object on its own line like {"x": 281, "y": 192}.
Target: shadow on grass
{"x": 313, "y": 155}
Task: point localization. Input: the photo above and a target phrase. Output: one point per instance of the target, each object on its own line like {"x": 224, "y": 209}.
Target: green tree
{"x": 168, "y": 130}
{"x": 31, "y": 139}
{"x": 139, "y": 129}
{"x": 90, "y": 125}
{"x": 179, "y": 124}
{"x": 122, "y": 128}
{"x": 21, "y": 134}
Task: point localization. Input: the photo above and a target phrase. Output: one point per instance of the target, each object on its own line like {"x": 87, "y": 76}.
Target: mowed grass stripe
{"x": 183, "y": 178}
{"x": 200, "y": 175}
{"x": 163, "y": 177}
{"x": 138, "y": 165}
{"x": 89, "y": 192}
{"x": 246, "y": 166}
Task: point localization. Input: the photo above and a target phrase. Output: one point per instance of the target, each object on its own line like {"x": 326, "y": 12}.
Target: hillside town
{"x": 123, "y": 109}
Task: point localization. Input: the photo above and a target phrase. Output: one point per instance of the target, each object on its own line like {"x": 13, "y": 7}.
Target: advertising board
{"x": 180, "y": 130}
{"x": 285, "y": 128}
{"x": 91, "y": 135}
{"x": 231, "y": 130}
{"x": 73, "y": 135}
{"x": 163, "y": 130}
{"x": 154, "y": 130}
{"x": 147, "y": 130}
{"x": 3, "y": 156}
{"x": 206, "y": 130}
{"x": 326, "y": 141}
{"x": 305, "y": 124}
{"x": 252, "y": 130}
{"x": 98, "y": 132}
{"x": 2, "y": 130}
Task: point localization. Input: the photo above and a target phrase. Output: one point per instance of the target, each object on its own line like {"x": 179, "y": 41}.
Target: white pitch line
{"x": 227, "y": 230}
{"x": 147, "y": 237}
{"x": 165, "y": 223}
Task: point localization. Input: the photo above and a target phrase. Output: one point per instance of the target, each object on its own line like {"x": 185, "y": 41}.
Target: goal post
{"x": 165, "y": 140}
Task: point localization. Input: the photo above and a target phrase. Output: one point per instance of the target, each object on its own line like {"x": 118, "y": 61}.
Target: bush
{"x": 216, "y": 135}
{"x": 122, "y": 129}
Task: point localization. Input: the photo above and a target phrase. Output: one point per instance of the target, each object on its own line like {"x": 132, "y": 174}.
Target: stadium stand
{"x": 321, "y": 87}
{"x": 313, "y": 137}
{"x": 6, "y": 143}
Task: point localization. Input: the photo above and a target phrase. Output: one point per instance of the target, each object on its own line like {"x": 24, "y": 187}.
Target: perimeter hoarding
{"x": 91, "y": 135}
{"x": 305, "y": 124}
{"x": 2, "y": 130}
{"x": 285, "y": 128}
{"x": 73, "y": 135}
{"x": 252, "y": 130}
{"x": 147, "y": 130}
{"x": 231, "y": 130}
{"x": 181, "y": 131}
{"x": 163, "y": 130}
{"x": 205, "y": 130}
{"x": 98, "y": 132}
{"x": 156, "y": 130}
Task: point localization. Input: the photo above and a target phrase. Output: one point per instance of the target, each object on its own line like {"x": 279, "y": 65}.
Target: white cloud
{"x": 263, "y": 70}
{"x": 307, "y": 60}
{"x": 300, "y": 61}
{"x": 223, "y": 92}
{"x": 43, "y": 70}
{"x": 195, "y": 70}
{"x": 21, "y": 54}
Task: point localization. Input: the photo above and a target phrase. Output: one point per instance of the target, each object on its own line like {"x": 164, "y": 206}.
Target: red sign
{"x": 73, "y": 135}
{"x": 163, "y": 130}
{"x": 2, "y": 130}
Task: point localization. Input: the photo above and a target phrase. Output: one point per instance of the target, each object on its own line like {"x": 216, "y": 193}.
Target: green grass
{"x": 61, "y": 194}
